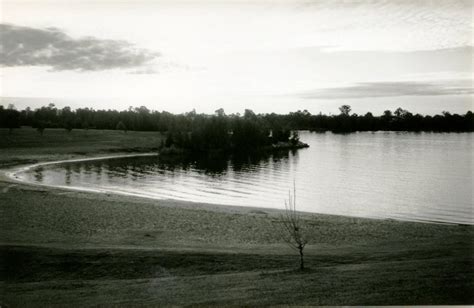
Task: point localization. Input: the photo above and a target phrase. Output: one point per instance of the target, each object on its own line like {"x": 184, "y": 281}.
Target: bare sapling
{"x": 293, "y": 232}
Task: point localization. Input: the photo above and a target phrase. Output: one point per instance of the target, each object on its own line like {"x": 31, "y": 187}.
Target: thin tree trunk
{"x": 301, "y": 259}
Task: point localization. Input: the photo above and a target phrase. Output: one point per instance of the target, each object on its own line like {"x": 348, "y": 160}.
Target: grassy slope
{"x": 25, "y": 145}
{"x": 64, "y": 247}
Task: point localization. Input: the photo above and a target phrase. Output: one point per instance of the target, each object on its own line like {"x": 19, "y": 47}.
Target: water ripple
{"x": 421, "y": 177}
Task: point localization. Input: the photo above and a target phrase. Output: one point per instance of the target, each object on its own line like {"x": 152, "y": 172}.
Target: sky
{"x": 268, "y": 56}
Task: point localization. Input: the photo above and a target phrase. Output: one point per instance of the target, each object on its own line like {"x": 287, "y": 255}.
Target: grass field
{"x": 70, "y": 248}
{"x": 26, "y": 145}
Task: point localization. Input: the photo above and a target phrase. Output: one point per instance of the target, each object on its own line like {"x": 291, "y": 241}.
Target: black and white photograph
{"x": 239, "y": 153}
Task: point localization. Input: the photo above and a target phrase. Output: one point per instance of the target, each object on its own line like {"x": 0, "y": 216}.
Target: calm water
{"x": 410, "y": 176}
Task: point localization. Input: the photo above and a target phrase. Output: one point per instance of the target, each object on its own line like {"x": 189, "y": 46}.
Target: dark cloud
{"x": 24, "y": 46}
{"x": 396, "y": 88}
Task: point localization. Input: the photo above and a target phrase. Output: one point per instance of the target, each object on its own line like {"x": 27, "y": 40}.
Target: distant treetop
{"x": 143, "y": 119}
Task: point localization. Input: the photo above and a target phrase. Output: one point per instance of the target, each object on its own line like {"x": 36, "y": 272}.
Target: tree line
{"x": 143, "y": 119}
{"x": 239, "y": 134}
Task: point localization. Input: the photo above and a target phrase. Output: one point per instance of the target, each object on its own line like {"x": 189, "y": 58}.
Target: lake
{"x": 407, "y": 176}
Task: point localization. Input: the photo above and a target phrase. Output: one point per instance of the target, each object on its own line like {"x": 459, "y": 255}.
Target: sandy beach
{"x": 80, "y": 248}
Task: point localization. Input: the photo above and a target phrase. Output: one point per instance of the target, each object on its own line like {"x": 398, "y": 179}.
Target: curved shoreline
{"x": 12, "y": 175}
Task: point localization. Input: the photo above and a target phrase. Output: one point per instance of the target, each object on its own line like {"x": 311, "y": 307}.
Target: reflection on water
{"x": 423, "y": 176}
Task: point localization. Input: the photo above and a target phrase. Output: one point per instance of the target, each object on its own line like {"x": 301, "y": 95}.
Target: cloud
{"x": 392, "y": 25}
{"x": 24, "y": 46}
{"x": 393, "y": 88}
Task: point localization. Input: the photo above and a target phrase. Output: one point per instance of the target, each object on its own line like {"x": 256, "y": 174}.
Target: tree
{"x": 169, "y": 140}
{"x": 12, "y": 118}
{"x": 249, "y": 114}
{"x": 280, "y": 135}
{"x": 387, "y": 114}
{"x": 40, "y": 126}
{"x": 295, "y": 137}
{"x": 85, "y": 125}
{"x": 345, "y": 110}
{"x": 68, "y": 118}
{"x": 401, "y": 113}
{"x": 206, "y": 126}
{"x": 293, "y": 231}
{"x": 220, "y": 112}
{"x": 121, "y": 126}
{"x": 68, "y": 126}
